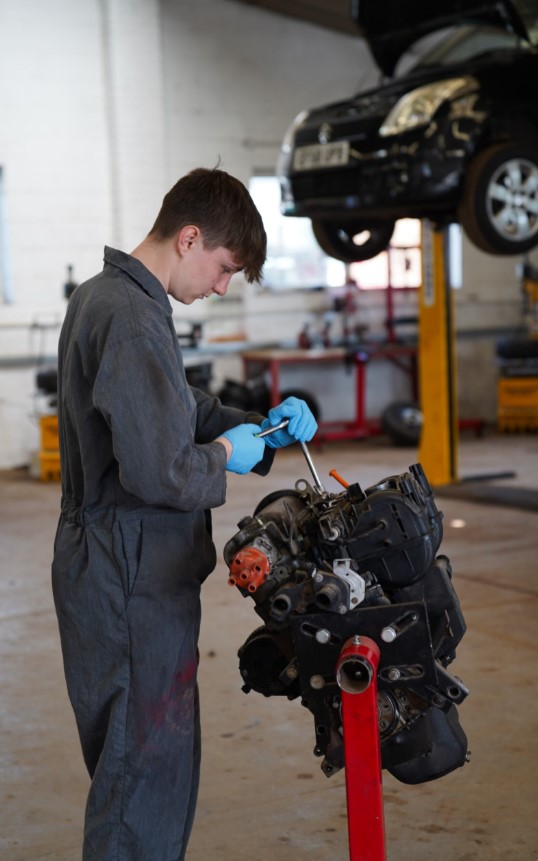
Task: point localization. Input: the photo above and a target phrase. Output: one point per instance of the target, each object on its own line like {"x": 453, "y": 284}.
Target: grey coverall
{"x": 140, "y": 471}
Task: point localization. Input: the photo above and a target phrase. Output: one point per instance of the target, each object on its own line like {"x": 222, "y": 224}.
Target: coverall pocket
{"x": 127, "y": 551}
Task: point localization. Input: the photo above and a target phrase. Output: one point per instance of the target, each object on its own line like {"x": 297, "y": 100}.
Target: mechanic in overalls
{"x": 143, "y": 459}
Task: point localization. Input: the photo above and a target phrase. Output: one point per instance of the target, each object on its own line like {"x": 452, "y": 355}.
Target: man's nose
{"x": 222, "y": 285}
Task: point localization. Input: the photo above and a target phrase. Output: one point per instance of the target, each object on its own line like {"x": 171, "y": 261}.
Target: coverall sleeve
{"x": 142, "y": 393}
{"x": 213, "y": 419}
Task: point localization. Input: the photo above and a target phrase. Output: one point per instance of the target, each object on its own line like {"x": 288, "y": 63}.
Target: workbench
{"x": 272, "y": 360}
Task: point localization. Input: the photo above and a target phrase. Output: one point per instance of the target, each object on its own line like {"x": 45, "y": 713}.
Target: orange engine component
{"x": 339, "y": 478}
{"x": 249, "y": 569}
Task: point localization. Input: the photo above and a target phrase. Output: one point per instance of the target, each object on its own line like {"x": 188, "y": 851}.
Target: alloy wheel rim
{"x": 512, "y": 200}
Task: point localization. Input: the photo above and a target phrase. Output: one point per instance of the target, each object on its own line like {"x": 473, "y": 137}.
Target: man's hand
{"x": 301, "y": 427}
{"x": 246, "y": 448}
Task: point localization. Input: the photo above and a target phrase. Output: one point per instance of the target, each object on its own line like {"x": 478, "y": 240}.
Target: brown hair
{"x": 221, "y": 207}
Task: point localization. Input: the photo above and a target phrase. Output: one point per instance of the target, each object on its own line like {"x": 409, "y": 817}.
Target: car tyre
{"x": 401, "y": 421}
{"x": 337, "y": 238}
{"x": 499, "y": 212}
{"x": 517, "y": 348}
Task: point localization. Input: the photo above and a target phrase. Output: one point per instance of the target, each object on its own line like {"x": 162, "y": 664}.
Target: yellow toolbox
{"x": 48, "y": 426}
{"x": 517, "y": 403}
{"x": 49, "y": 466}
{"x": 49, "y": 454}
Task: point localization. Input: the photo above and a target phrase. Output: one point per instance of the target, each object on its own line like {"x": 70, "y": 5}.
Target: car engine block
{"x": 322, "y": 567}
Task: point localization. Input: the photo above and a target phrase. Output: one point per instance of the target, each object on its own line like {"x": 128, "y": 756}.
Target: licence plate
{"x": 321, "y": 155}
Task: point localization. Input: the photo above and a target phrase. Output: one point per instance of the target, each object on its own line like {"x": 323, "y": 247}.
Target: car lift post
{"x": 356, "y": 674}
{"x": 438, "y": 451}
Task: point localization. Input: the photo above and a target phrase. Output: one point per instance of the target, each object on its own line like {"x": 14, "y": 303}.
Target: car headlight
{"x": 284, "y": 158}
{"x": 418, "y": 107}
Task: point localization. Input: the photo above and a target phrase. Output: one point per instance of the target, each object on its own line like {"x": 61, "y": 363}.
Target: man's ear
{"x": 187, "y": 238}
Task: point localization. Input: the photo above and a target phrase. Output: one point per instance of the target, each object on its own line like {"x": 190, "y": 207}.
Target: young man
{"x": 144, "y": 458}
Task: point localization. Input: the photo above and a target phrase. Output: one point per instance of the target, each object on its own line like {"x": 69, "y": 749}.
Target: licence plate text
{"x": 321, "y": 156}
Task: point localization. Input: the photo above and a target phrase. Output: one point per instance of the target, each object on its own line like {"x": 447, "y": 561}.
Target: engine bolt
{"x": 388, "y": 635}
{"x": 292, "y": 672}
{"x": 394, "y": 674}
{"x": 323, "y": 635}
{"x": 317, "y": 682}
{"x": 342, "y": 609}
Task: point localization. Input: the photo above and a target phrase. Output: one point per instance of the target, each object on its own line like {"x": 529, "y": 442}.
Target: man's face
{"x": 201, "y": 272}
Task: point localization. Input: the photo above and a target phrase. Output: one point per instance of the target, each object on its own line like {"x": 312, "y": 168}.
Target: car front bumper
{"x": 394, "y": 183}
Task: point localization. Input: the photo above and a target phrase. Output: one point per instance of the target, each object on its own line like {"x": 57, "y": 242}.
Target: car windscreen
{"x": 452, "y": 46}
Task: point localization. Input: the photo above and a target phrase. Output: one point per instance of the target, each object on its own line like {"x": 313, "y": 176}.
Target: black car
{"x": 453, "y": 138}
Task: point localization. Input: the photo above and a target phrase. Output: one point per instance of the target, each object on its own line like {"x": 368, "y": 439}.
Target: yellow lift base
{"x": 438, "y": 450}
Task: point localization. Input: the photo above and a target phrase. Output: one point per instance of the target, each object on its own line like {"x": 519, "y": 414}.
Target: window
{"x": 294, "y": 259}
{"x": 399, "y": 266}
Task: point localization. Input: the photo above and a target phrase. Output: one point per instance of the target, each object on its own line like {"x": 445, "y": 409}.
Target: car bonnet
{"x": 413, "y": 19}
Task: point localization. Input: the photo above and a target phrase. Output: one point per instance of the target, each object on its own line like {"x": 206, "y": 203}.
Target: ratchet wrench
{"x": 274, "y": 429}
{"x": 317, "y": 483}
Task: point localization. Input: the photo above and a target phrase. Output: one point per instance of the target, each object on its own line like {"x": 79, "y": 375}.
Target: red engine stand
{"x": 356, "y": 674}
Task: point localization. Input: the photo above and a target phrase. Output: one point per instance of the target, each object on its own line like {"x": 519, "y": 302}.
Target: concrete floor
{"x": 263, "y": 794}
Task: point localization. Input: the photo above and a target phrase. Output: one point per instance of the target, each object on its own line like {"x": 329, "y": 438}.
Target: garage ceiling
{"x": 333, "y": 14}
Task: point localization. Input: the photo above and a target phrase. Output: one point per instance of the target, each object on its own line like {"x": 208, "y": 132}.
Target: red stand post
{"x": 356, "y": 674}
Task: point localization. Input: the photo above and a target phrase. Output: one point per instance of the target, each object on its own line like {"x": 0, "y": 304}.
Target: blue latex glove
{"x": 301, "y": 428}
{"x": 247, "y": 449}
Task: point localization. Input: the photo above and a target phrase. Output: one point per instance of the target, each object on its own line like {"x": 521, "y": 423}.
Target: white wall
{"x": 105, "y": 103}
{"x": 53, "y": 146}
{"x": 235, "y": 76}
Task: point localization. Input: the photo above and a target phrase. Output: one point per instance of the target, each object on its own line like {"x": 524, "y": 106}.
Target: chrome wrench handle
{"x": 317, "y": 483}
{"x": 268, "y": 431}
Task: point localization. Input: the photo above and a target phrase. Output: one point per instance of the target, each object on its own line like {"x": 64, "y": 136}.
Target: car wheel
{"x": 353, "y": 241}
{"x": 499, "y": 212}
{"x": 402, "y": 422}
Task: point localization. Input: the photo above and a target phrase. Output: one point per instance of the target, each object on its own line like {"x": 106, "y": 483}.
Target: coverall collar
{"x": 139, "y": 273}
